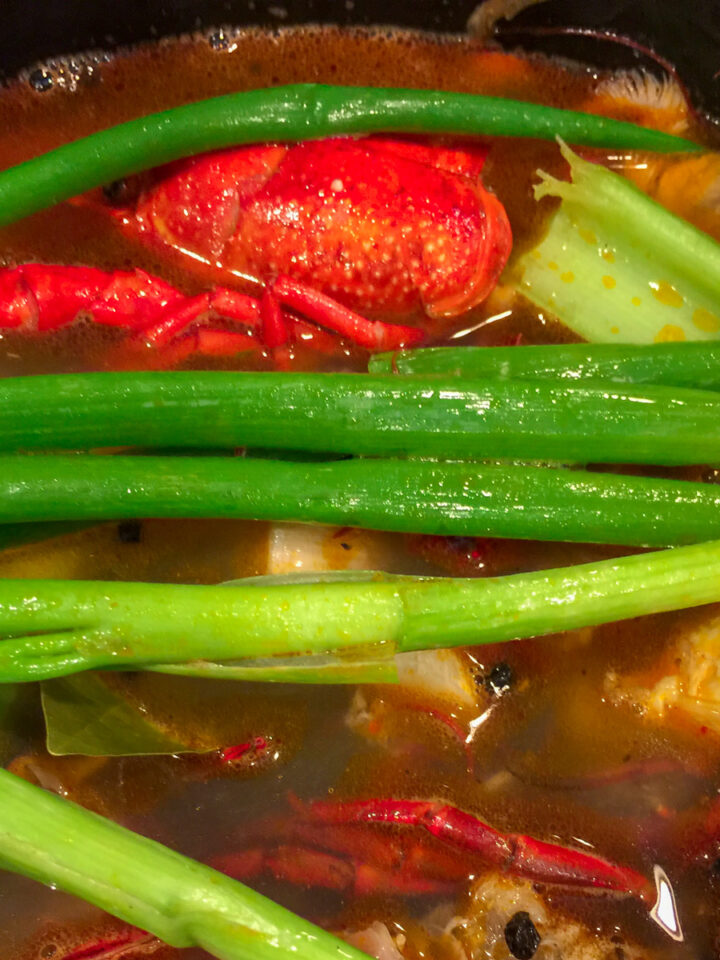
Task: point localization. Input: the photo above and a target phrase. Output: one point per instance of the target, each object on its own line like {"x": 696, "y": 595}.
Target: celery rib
{"x": 615, "y": 266}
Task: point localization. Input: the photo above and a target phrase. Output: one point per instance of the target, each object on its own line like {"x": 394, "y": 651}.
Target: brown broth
{"x": 548, "y": 759}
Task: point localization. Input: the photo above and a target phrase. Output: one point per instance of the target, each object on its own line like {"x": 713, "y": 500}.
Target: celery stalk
{"x": 615, "y": 266}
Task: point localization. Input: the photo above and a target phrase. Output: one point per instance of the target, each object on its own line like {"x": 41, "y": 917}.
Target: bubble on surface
{"x": 66, "y": 73}
{"x": 40, "y": 80}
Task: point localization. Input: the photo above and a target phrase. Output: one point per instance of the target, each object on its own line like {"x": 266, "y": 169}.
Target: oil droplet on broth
{"x": 666, "y": 294}
{"x": 609, "y": 282}
{"x": 552, "y": 265}
{"x": 609, "y": 256}
{"x": 705, "y": 320}
{"x": 567, "y": 277}
{"x": 615, "y": 330}
{"x": 670, "y": 333}
{"x": 636, "y": 301}
{"x": 588, "y": 236}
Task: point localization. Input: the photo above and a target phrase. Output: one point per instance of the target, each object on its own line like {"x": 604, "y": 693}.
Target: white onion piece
{"x": 438, "y": 673}
{"x": 374, "y": 940}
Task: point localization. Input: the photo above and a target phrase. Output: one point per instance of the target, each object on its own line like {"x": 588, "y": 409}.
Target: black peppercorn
{"x": 521, "y": 936}
{"x": 500, "y": 678}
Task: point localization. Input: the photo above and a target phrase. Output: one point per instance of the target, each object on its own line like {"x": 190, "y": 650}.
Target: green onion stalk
{"x": 690, "y": 364}
{"x": 54, "y": 628}
{"x": 180, "y": 901}
{"x": 372, "y": 415}
{"x": 298, "y": 112}
{"x": 407, "y": 496}
{"x": 617, "y": 267}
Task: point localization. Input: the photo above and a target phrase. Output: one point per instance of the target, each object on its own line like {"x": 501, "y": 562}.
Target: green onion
{"x": 79, "y": 626}
{"x": 376, "y": 665}
{"x": 409, "y": 496}
{"x": 615, "y": 266}
{"x": 56, "y": 627}
{"x": 298, "y": 112}
{"x": 672, "y": 364}
{"x": 181, "y": 901}
{"x": 363, "y": 414}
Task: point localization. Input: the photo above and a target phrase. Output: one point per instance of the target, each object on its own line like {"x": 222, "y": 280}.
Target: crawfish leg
{"x": 178, "y": 320}
{"x": 530, "y": 858}
{"x": 517, "y": 854}
{"x": 552, "y": 863}
{"x": 357, "y": 873}
{"x": 275, "y": 331}
{"x": 187, "y": 327}
{"x": 292, "y": 863}
{"x": 42, "y": 298}
{"x": 448, "y": 823}
{"x": 328, "y": 313}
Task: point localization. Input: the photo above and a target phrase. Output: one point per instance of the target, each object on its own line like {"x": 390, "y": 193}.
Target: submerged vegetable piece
{"x": 85, "y": 716}
{"x": 75, "y": 625}
{"x": 148, "y": 885}
{"x": 638, "y": 96}
{"x": 685, "y": 184}
{"x": 383, "y": 226}
{"x": 616, "y": 266}
{"x": 126, "y": 715}
{"x": 297, "y": 112}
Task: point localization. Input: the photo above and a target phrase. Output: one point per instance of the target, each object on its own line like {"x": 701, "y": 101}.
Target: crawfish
{"x": 333, "y": 229}
{"x": 334, "y": 845}
{"x": 41, "y": 299}
{"x": 383, "y": 226}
